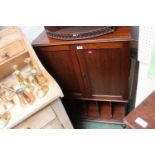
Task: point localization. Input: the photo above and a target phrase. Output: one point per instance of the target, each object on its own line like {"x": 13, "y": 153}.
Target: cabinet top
{"x": 122, "y": 33}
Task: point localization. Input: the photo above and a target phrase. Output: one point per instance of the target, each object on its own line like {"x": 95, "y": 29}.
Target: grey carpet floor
{"x": 97, "y": 125}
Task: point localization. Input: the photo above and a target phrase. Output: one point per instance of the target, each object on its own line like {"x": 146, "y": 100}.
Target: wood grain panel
{"x": 146, "y": 111}
{"x": 105, "y": 110}
{"x": 55, "y": 124}
{"x": 38, "y": 120}
{"x": 102, "y": 69}
{"x": 93, "y": 109}
{"x": 6, "y": 66}
{"x": 11, "y": 50}
{"x": 63, "y": 67}
{"x": 99, "y": 45}
{"x": 55, "y": 48}
{"x": 119, "y": 110}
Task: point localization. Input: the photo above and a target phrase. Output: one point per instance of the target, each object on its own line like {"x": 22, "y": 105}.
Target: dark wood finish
{"x": 105, "y": 70}
{"x": 83, "y": 108}
{"x": 119, "y": 111}
{"x": 93, "y": 109}
{"x": 100, "y": 73}
{"x": 55, "y": 48}
{"x": 94, "y": 69}
{"x": 64, "y": 68}
{"x": 101, "y": 111}
{"x": 106, "y": 110}
{"x": 145, "y": 111}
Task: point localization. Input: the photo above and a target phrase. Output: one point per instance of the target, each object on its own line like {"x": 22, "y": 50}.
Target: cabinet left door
{"x": 62, "y": 64}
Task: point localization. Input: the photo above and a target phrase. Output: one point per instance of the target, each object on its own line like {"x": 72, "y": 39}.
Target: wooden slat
{"x": 38, "y": 120}
{"x": 55, "y": 124}
{"x": 58, "y": 108}
{"x": 11, "y": 50}
{"x": 119, "y": 111}
{"x": 93, "y": 109}
{"x": 55, "y": 48}
{"x": 7, "y": 32}
{"x": 9, "y": 37}
{"x": 99, "y": 45}
{"x": 106, "y": 110}
{"x": 6, "y": 66}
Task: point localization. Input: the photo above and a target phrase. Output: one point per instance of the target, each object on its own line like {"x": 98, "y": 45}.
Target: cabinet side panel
{"x": 125, "y": 58}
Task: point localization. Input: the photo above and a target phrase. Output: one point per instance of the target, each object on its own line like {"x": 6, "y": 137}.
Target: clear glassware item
{"x": 42, "y": 88}
{"x": 28, "y": 62}
{"x": 41, "y": 79}
{"x": 30, "y": 76}
{"x": 38, "y": 79}
{"x": 29, "y": 87}
{"x": 7, "y": 96}
{"x": 5, "y": 115}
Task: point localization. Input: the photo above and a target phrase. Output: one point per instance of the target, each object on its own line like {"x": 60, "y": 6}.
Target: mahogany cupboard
{"x": 93, "y": 73}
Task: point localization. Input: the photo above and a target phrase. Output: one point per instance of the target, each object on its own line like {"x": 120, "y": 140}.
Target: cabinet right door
{"x": 105, "y": 69}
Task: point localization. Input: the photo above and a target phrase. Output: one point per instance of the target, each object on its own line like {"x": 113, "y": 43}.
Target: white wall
{"x": 146, "y": 42}
{"x": 32, "y": 32}
{"x": 145, "y": 84}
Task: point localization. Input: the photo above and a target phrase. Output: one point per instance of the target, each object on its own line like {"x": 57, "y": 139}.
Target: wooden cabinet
{"x": 38, "y": 120}
{"x": 21, "y": 107}
{"x": 50, "y": 117}
{"x": 11, "y": 50}
{"x": 94, "y": 69}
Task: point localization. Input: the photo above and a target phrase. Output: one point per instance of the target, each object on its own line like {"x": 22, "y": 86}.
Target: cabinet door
{"x": 62, "y": 63}
{"x": 105, "y": 69}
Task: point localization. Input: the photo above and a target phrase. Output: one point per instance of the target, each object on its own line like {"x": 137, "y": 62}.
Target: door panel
{"x": 63, "y": 67}
{"x": 103, "y": 68}
{"x": 98, "y": 73}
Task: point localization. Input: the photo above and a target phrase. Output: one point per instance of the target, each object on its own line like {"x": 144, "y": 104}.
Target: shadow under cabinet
{"x": 99, "y": 111}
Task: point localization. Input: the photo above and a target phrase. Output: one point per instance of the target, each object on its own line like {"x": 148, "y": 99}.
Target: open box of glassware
{"x": 25, "y": 85}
